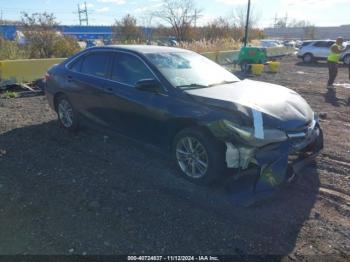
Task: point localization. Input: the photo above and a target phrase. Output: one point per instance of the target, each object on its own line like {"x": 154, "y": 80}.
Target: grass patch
{"x": 10, "y": 94}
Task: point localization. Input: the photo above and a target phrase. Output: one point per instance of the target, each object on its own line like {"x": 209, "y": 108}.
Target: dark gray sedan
{"x": 177, "y": 99}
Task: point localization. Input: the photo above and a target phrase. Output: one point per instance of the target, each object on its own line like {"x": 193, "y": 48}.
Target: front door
{"x": 141, "y": 114}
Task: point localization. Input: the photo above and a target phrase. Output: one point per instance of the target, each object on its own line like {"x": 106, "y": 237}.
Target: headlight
{"x": 247, "y": 134}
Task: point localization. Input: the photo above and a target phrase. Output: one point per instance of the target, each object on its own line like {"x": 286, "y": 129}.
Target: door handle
{"x": 108, "y": 89}
{"x": 69, "y": 78}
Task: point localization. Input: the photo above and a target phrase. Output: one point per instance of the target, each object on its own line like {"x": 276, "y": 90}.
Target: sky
{"x": 105, "y": 12}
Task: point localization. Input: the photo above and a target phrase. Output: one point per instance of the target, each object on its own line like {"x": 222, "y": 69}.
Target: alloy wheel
{"x": 347, "y": 60}
{"x": 65, "y": 113}
{"x": 307, "y": 58}
{"x": 192, "y": 157}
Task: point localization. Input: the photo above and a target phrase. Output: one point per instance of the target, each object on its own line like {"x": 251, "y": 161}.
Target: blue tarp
{"x": 8, "y": 32}
{"x": 87, "y": 32}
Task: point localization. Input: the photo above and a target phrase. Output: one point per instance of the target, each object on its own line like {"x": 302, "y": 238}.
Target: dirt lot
{"x": 94, "y": 193}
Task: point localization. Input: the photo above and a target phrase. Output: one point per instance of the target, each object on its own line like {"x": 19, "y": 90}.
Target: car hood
{"x": 281, "y": 107}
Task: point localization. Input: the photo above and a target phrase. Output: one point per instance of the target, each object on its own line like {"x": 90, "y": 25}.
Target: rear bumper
{"x": 50, "y": 99}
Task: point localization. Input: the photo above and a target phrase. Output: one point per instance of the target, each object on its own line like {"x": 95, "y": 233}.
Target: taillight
{"x": 47, "y": 77}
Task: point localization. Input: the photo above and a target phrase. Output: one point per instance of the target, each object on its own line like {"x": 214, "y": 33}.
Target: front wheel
{"x": 347, "y": 59}
{"x": 198, "y": 157}
{"x": 308, "y": 58}
{"x": 67, "y": 116}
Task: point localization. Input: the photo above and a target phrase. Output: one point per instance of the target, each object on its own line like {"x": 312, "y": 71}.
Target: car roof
{"x": 144, "y": 49}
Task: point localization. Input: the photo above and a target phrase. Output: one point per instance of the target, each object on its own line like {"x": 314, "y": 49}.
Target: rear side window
{"x": 329, "y": 44}
{"x": 305, "y": 44}
{"x": 129, "y": 69}
{"x": 96, "y": 64}
{"x": 321, "y": 44}
{"x": 76, "y": 65}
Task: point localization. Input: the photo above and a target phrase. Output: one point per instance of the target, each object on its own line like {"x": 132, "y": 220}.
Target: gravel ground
{"x": 94, "y": 193}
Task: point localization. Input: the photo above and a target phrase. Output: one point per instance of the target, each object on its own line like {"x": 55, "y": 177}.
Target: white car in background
{"x": 270, "y": 43}
{"x": 315, "y": 50}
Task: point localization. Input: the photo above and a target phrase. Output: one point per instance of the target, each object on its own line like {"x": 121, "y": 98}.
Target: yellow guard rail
{"x": 25, "y": 70}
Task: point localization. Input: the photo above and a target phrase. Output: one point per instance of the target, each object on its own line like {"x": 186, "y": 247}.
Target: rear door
{"x": 322, "y": 48}
{"x": 88, "y": 78}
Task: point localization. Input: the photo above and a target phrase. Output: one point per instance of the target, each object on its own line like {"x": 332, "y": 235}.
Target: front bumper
{"x": 278, "y": 164}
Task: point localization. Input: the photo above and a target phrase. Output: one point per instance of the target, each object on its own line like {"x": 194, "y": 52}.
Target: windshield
{"x": 187, "y": 70}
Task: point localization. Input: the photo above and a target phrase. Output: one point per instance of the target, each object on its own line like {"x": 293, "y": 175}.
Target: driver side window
{"x": 128, "y": 69}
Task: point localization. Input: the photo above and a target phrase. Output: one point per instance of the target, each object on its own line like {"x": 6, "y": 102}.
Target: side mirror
{"x": 149, "y": 85}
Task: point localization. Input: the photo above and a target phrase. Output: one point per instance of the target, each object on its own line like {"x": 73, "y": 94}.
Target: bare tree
{"x": 146, "y": 22}
{"x": 127, "y": 28}
{"x": 309, "y": 31}
{"x": 42, "y": 39}
{"x": 40, "y": 33}
{"x": 180, "y": 14}
{"x": 281, "y": 23}
{"x": 239, "y": 17}
{"x": 219, "y": 28}
{"x": 299, "y": 23}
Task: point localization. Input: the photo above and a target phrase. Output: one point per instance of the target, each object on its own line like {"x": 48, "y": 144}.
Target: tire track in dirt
{"x": 333, "y": 196}
{"x": 335, "y": 160}
{"x": 337, "y": 195}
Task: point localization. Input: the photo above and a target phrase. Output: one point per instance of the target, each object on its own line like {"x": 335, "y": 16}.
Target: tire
{"x": 198, "y": 157}
{"x": 346, "y": 59}
{"x": 67, "y": 116}
{"x": 308, "y": 58}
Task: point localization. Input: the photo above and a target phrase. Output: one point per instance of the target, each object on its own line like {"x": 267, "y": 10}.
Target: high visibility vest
{"x": 333, "y": 57}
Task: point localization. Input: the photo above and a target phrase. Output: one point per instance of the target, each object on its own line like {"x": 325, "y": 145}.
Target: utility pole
{"x": 195, "y": 18}
{"x": 286, "y": 20}
{"x": 83, "y": 14}
{"x": 247, "y": 25}
{"x": 275, "y": 21}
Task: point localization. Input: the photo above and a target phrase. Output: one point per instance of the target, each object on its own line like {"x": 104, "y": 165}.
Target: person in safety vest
{"x": 333, "y": 60}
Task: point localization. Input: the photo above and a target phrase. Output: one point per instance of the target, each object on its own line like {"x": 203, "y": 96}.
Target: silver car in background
{"x": 315, "y": 50}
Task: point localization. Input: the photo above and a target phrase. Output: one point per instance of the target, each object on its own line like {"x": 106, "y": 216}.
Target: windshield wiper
{"x": 222, "y": 83}
{"x": 197, "y": 86}
{"x": 192, "y": 86}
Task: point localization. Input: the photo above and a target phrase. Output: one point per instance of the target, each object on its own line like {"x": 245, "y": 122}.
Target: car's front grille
{"x": 297, "y": 144}
{"x": 301, "y": 140}
{"x": 302, "y": 128}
